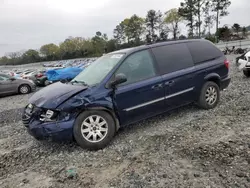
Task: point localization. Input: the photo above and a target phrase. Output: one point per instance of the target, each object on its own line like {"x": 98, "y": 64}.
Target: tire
{"x": 83, "y": 122}
{"x": 246, "y": 73}
{"x": 46, "y": 83}
{"x": 209, "y": 91}
{"x": 24, "y": 89}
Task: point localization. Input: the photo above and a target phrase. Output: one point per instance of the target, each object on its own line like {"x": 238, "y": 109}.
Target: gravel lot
{"x": 188, "y": 147}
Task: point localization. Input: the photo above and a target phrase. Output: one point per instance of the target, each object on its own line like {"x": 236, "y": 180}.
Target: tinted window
{"x": 203, "y": 51}
{"x": 138, "y": 66}
{"x": 173, "y": 57}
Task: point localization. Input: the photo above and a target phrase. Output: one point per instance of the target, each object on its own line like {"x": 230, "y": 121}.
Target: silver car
{"x": 10, "y": 85}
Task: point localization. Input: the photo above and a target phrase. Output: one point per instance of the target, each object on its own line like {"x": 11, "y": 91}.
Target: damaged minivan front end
{"x": 82, "y": 109}
{"x": 51, "y": 115}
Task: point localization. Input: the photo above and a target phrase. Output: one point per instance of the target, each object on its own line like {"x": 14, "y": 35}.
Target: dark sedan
{"x": 10, "y": 85}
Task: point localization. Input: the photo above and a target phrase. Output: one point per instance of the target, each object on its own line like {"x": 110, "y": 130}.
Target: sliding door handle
{"x": 158, "y": 86}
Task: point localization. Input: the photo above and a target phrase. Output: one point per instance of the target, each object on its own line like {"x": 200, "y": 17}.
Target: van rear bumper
{"x": 225, "y": 83}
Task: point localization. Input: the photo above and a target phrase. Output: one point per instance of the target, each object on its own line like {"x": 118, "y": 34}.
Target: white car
{"x": 28, "y": 74}
{"x": 244, "y": 64}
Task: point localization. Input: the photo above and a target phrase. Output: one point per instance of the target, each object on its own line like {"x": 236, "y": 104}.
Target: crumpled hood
{"x": 53, "y": 95}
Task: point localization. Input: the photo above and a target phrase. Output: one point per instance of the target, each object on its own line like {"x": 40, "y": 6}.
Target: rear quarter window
{"x": 203, "y": 51}
{"x": 174, "y": 57}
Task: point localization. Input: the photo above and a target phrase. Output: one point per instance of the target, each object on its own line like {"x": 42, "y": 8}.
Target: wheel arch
{"x": 213, "y": 77}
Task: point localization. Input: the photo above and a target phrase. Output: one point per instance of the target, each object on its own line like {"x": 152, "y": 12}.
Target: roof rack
{"x": 170, "y": 40}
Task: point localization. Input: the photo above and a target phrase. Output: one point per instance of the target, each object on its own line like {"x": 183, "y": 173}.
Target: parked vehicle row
{"x": 57, "y": 71}
{"x": 71, "y": 63}
{"x": 126, "y": 86}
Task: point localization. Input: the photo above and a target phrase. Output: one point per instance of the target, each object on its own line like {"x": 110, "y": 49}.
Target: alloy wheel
{"x": 211, "y": 95}
{"x": 24, "y": 89}
{"x": 94, "y": 128}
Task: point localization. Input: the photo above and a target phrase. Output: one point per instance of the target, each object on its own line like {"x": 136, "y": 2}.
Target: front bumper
{"x": 225, "y": 83}
{"x": 56, "y": 130}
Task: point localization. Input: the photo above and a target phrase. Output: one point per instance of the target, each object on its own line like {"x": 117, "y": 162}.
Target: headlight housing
{"x": 50, "y": 115}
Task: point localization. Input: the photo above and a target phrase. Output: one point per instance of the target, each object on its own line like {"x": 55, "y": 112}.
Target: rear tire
{"x": 94, "y": 130}
{"x": 46, "y": 83}
{"x": 24, "y": 89}
{"x": 209, "y": 96}
{"x": 246, "y": 73}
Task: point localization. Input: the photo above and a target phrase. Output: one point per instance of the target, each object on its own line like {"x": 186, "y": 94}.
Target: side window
{"x": 2, "y": 78}
{"x": 203, "y": 51}
{"x": 171, "y": 58}
{"x": 137, "y": 67}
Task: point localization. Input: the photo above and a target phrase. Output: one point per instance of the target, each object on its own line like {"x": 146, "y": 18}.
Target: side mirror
{"x": 12, "y": 79}
{"x": 119, "y": 79}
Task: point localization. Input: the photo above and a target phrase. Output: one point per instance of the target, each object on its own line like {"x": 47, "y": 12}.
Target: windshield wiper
{"x": 80, "y": 82}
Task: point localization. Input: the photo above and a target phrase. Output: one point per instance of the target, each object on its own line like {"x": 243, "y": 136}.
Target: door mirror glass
{"x": 119, "y": 79}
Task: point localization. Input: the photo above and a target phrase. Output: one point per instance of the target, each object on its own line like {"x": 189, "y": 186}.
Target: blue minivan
{"x": 126, "y": 86}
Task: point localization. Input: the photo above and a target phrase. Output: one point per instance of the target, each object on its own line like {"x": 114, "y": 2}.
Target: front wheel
{"x": 24, "y": 89}
{"x": 209, "y": 96}
{"x": 46, "y": 83}
{"x": 94, "y": 130}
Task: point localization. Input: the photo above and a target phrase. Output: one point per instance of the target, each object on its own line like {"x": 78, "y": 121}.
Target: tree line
{"x": 199, "y": 16}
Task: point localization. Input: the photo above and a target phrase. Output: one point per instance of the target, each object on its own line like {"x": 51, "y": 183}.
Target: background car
{"x": 10, "y": 85}
{"x": 28, "y": 73}
{"x": 40, "y": 78}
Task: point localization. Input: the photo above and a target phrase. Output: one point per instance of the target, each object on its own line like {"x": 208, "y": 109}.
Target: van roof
{"x": 134, "y": 49}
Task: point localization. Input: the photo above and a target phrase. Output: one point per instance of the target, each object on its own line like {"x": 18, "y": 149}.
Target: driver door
{"x": 142, "y": 96}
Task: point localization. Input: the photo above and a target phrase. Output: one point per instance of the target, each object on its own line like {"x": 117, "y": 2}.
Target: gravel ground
{"x": 188, "y": 147}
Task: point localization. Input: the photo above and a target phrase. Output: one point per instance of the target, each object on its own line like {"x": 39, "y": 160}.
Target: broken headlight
{"x": 49, "y": 116}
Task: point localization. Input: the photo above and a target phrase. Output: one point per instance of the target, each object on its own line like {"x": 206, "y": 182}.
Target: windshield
{"x": 98, "y": 70}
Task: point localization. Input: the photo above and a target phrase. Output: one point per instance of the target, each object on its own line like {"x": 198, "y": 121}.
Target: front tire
{"x": 24, "y": 89}
{"x": 94, "y": 130}
{"x": 46, "y": 83}
{"x": 209, "y": 96}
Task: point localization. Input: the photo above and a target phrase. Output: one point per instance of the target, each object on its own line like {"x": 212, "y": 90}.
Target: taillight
{"x": 39, "y": 75}
{"x": 226, "y": 62}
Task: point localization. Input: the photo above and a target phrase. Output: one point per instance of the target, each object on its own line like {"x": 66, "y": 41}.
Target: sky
{"x": 26, "y": 24}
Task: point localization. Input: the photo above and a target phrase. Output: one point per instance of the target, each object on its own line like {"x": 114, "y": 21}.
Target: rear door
{"x": 142, "y": 95}
{"x": 209, "y": 60}
{"x": 177, "y": 69}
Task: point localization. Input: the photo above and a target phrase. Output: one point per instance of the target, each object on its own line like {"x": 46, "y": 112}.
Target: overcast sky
{"x": 28, "y": 24}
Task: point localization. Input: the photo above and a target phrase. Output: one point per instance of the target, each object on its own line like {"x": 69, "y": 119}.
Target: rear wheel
{"x": 246, "y": 73}
{"x": 94, "y": 130}
{"x": 46, "y": 82}
{"x": 209, "y": 96}
{"x": 24, "y": 89}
